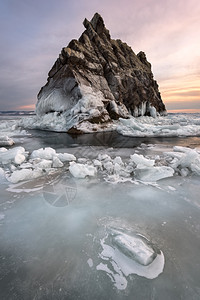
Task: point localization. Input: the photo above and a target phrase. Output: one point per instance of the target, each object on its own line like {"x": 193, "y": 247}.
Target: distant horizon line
{"x": 197, "y": 110}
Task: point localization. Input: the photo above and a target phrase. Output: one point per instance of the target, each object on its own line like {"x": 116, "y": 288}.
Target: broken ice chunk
{"x": 46, "y": 153}
{"x": 6, "y": 141}
{"x": 24, "y": 174}
{"x": 42, "y": 164}
{"x": 57, "y": 163}
{"x": 140, "y": 160}
{"x": 152, "y": 174}
{"x": 135, "y": 247}
{"x": 81, "y": 170}
{"x": 15, "y": 155}
{"x": 65, "y": 157}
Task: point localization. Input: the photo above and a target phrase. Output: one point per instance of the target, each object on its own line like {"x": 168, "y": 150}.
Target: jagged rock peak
{"x": 98, "y": 25}
{"x": 98, "y": 79}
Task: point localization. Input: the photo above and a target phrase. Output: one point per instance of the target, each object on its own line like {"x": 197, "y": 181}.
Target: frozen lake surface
{"x": 110, "y": 235}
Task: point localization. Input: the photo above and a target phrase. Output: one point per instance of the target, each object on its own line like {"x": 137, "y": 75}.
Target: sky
{"x": 33, "y": 32}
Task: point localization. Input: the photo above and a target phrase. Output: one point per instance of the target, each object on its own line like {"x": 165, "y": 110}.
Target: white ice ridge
{"x": 19, "y": 165}
{"x": 124, "y": 254}
{"x": 170, "y": 125}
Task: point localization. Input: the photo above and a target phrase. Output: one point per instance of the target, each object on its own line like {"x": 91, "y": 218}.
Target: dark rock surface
{"x": 99, "y": 79}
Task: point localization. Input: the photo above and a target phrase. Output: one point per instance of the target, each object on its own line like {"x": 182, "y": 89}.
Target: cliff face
{"x": 99, "y": 79}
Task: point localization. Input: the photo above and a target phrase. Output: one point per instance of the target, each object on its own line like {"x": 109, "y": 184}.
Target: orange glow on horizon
{"x": 27, "y": 107}
{"x": 184, "y": 111}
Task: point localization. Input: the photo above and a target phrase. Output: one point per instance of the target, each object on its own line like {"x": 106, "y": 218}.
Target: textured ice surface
{"x": 38, "y": 238}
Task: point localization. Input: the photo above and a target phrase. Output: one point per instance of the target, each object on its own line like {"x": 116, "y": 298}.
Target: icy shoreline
{"x": 164, "y": 126}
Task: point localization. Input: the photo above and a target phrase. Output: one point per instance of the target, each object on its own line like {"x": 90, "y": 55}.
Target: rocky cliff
{"x": 98, "y": 79}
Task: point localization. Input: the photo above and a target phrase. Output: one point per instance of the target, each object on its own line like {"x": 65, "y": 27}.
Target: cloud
{"x": 35, "y": 31}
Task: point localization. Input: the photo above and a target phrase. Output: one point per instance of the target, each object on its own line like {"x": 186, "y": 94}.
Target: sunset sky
{"x": 33, "y": 32}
